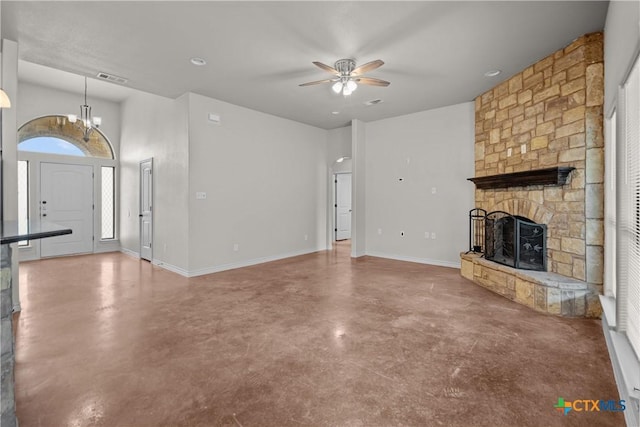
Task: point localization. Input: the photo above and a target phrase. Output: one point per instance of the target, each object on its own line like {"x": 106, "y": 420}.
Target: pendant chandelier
{"x": 87, "y": 123}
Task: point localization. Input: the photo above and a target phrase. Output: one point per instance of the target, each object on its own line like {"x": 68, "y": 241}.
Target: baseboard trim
{"x": 107, "y": 247}
{"x": 129, "y": 252}
{"x": 170, "y": 267}
{"x": 428, "y": 261}
{"x": 248, "y": 263}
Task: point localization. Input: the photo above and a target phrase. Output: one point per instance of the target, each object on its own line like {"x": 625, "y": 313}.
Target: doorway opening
{"x": 66, "y": 193}
{"x": 146, "y": 209}
{"x": 342, "y": 206}
{"x": 68, "y": 181}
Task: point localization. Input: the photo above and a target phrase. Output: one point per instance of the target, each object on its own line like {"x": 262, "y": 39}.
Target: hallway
{"x": 315, "y": 340}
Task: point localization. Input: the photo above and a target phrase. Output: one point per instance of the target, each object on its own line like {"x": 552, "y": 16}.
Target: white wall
{"x": 9, "y": 167}
{"x": 429, "y": 149}
{"x": 359, "y": 196}
{"x": 338, "y": 145}
{"x": 621, "y": 43}
{"x": 265, "y": 184}
{"x": 156, "y": 127}
{"x": 37, "y": 101}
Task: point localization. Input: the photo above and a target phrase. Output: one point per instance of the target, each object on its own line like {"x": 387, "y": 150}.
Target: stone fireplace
{"x": 542, "y": 121}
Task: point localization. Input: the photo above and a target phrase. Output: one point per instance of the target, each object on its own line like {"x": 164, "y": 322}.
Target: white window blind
{"x": 610, "y": 206}
{"x": 630, "y": 298}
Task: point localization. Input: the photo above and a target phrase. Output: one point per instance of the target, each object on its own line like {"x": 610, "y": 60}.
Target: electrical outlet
{"x": 523, "y": 149}
{"x": 201, "y": 195}
{"x": 509, "y": 151}
{"x": 426, "y": 234}
{"x": 236, "y": 247}
{"x": 433, "y": 235}
{"x": 306, "y": 237}
{"x": 433, "y": 190}
{"x": 380, "y": 231}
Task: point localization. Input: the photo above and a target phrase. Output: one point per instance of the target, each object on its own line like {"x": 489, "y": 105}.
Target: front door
{"x": 146, "y": 209}
{"x": 66, "y": 199}
{"x": 343, "y": 206}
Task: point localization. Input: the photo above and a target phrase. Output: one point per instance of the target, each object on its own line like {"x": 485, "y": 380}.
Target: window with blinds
{"x": 610, "y": 207}
{"x": 628, "y": 283}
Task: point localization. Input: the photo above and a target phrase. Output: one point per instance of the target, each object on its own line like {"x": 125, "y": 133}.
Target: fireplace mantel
{"x": 549, "y": 176}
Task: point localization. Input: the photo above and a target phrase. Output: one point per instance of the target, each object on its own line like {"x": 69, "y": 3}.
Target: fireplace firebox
{"x": 515, "y": 241}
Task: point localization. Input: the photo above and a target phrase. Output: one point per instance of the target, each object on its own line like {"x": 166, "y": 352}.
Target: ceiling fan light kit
{"x": 347, "y": 75}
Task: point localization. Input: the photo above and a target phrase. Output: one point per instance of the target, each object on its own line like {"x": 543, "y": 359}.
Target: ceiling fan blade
{"x": 369, "y": 66}
{"x": 372, "y": 81}
{"x": 317, "y": 82}
{"x": 326, "y": 68}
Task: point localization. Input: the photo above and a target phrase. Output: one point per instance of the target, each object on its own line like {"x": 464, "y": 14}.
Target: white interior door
{"x": 343, "y": 206}
{"x": 146, "y": 209}
{"x": 66, "y": 198}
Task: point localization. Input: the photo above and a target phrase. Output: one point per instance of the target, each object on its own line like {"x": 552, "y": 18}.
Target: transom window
{"x": 56, "y": 135}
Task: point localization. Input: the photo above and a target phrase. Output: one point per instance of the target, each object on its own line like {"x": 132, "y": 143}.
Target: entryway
{"x": 343, "y": 206}
{"x": 66, "y": 199}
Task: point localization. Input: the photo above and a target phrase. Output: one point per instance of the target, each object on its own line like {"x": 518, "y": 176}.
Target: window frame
{"x": 27, "y": 183}
{"x": 113, "y": 203}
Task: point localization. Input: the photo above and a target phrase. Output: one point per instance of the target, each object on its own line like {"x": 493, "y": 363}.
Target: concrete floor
{"x": 316, "y": 340}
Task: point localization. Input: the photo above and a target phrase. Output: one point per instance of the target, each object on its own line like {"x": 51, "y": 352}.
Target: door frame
{"x": 32, "y": 251}
{"x": 140, "y": 215}
{"x": 40, "y": 207}
{"x": 335, "y": 205}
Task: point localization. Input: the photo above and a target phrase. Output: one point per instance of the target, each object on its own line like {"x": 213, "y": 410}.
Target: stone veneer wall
{"x": 554, "y": 109}
{"x": 7, "y": 400}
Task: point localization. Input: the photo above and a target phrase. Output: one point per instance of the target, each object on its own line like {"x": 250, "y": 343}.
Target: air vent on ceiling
{"x": 111, "y": 78}
{"x": 372, "y": 102}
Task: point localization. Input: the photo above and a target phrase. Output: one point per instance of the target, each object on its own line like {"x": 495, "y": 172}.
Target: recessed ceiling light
{"x": 492, "y": 73}
{"x": 335, "y": 113}
{"x": 198, "y": 61}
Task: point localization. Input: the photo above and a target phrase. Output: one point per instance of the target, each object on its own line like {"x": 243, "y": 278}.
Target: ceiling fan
{"x": 347, "y": 75}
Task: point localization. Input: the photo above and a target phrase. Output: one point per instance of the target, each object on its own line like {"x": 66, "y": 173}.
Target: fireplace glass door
{"x": 515, "y": 241}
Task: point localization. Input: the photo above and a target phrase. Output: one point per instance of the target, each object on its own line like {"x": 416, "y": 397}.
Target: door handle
{"x": 44, "y": 214}
{"x": 139, "y": 215}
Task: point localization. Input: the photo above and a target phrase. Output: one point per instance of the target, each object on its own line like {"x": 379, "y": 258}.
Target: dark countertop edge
{"x": 34, "y": 236}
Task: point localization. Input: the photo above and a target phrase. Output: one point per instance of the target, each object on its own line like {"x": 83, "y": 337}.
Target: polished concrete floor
{"x": 316, "y": 340}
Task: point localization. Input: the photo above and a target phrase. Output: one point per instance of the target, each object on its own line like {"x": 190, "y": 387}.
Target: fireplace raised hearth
{"x": 515, "y": 241}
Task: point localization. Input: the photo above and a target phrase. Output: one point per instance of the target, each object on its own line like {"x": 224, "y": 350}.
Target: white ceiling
{"x": 257, "y": 53}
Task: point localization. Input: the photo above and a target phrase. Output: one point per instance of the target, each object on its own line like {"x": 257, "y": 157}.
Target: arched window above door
{"x": 56, "y": 135}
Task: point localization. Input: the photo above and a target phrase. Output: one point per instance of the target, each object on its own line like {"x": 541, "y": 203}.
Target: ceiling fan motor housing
{"x": 345, "y": 66}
